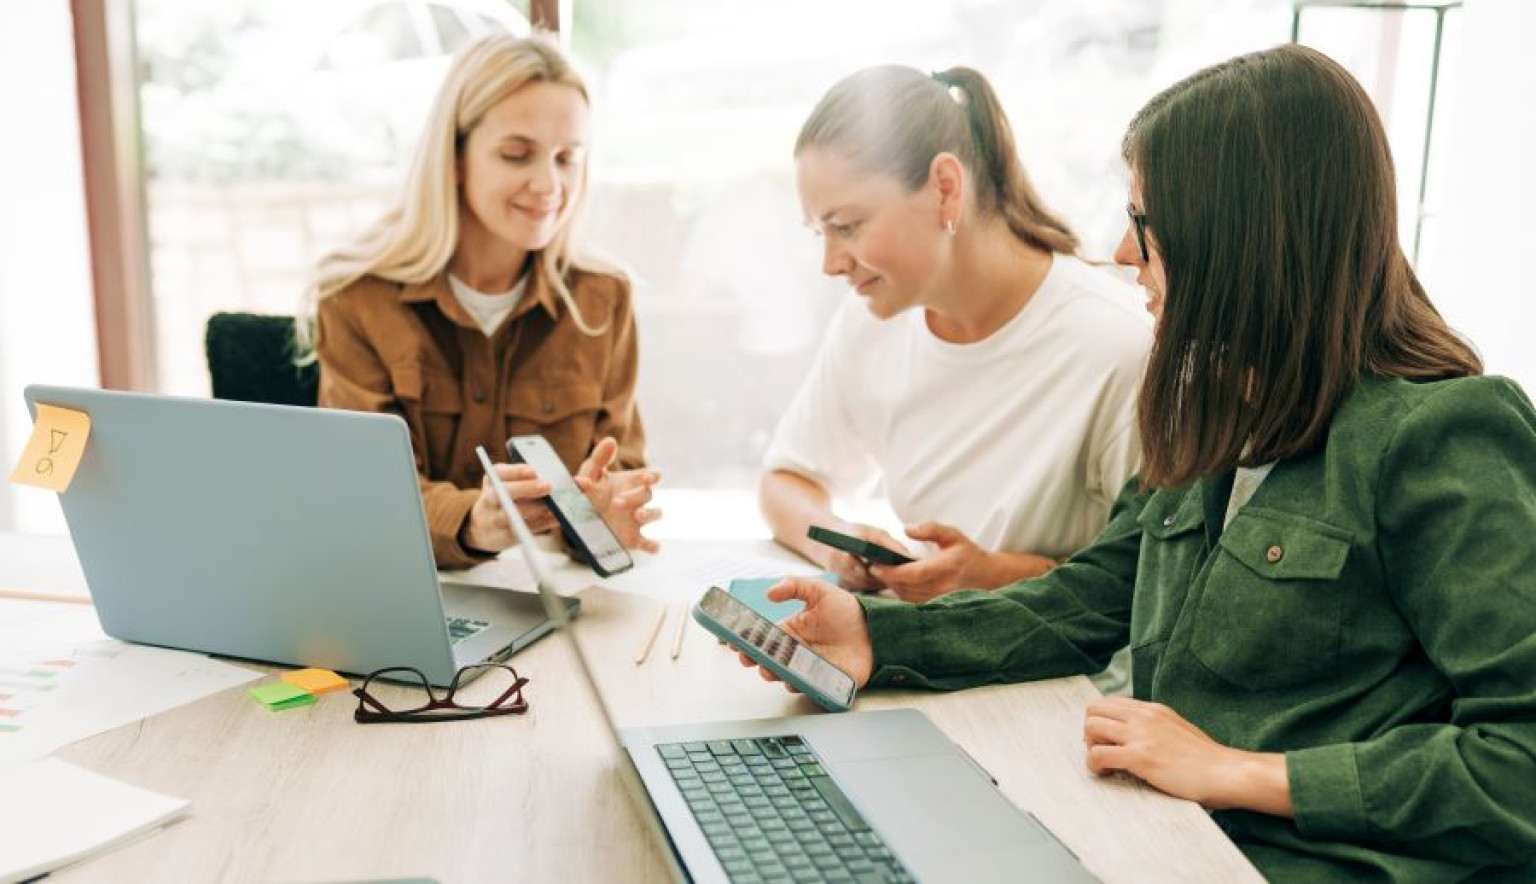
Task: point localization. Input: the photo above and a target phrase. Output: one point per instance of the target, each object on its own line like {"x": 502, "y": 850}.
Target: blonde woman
{"x": 467, "y": 311}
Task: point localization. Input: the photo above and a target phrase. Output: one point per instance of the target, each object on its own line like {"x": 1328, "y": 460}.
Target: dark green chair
{"x": 250, "y": 359}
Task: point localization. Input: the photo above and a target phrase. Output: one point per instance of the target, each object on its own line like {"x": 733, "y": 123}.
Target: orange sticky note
{"x": 316, "y": 681}
{"x": 53, "y": 453}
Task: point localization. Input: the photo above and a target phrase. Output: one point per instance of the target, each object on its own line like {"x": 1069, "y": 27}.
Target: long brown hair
{"x": 894, "y": 120}
{"x": 1269, "y": 192}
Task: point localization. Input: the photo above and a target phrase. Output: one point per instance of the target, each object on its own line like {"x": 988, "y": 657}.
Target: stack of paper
{"x": 53, "y": 814}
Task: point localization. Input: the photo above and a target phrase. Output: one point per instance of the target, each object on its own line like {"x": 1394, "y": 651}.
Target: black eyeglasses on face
{"x": 500, "y": 683}
{"x": 1139, "y": 222}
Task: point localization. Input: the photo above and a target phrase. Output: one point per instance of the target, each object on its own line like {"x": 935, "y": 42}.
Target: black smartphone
{"x": 584, "y": 527}
{"x": 858, "y": 546}
{"x": 774, "y": 649}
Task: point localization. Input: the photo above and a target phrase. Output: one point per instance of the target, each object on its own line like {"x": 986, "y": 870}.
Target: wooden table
{"x": 309, "y": 795}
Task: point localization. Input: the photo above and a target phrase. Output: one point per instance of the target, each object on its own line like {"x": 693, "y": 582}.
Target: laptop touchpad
{"x": 938, "y": 800}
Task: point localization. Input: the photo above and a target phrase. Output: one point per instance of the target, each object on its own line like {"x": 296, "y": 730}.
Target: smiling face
{"x": 888, "y": 242}
{"x": 1149, "y": 271}
{"x": 521, "y": 168}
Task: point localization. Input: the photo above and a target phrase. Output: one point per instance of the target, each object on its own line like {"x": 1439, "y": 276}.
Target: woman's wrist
{"x": 1256, "y": 781}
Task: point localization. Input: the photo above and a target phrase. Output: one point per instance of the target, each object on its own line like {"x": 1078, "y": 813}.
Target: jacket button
{"x": 479, "y": 397}
{"x": 1274, "y": 554}
{"x": 1168, "y": 522}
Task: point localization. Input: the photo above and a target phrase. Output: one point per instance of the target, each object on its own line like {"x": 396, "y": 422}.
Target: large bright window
{"x": 276, "y": 129}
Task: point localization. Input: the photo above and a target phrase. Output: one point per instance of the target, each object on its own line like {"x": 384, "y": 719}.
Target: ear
{"x": 946, "y": 175}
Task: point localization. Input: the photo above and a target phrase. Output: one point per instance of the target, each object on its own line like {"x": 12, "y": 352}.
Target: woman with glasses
{"x": 1326, "y": 570}
{"x": 469, "y": 311}
{"x": 983, "y": 372}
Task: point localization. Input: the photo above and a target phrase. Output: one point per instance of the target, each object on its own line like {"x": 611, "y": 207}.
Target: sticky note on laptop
{"x": 280, "y": 695}
{"x": 753, "y": 592}
{"x": 316, "y": 681}
{"x": 52, "y": 455}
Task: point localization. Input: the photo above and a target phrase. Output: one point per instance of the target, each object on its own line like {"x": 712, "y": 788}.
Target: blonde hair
{"x": 417, "y": 236}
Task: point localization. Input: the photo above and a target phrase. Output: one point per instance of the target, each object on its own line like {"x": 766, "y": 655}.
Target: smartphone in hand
{"x": 774, "y": 649}
{"x": 858, "y": 546}
{"x": 583, "y": 526}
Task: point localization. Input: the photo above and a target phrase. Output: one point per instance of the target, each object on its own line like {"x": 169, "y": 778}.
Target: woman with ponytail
{"x": 468, "y": 311}
{"x": 984, "y": 372}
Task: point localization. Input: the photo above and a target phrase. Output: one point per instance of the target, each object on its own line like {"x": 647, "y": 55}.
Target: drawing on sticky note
{"x": 53, "y": 453}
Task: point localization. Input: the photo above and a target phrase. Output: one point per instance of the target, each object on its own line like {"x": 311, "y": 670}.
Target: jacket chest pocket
{"x": 1271, "y": 612}
{"x": 433, "y": 404}
{"x": 1172, "y": 547}
{"x": 563, "y": 412}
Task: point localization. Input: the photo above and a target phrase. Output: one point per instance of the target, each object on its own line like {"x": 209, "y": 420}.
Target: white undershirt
{"x": 1021, "y": 440}
{"x": 488, "y": 311}
{"x": 1244, "y": 483}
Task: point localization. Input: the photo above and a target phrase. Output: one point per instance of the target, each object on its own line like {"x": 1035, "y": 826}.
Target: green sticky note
{"x": 753, "y": 592}
{"x": 279, "y": 695}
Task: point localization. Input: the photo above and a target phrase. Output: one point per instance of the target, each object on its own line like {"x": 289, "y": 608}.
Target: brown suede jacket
{"x": 412, "y": 350}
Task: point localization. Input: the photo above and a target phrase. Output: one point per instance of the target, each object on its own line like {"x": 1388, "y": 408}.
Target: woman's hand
{"x": 1157, "y": 745}
{"x": 620, "y": 495}
{"x": 959, "y": 564}
{"x": 853, "y": 573}
{"x": 953, "y": 567}
{"x": 831, "y": 624}
{"x": 488, "y": 529}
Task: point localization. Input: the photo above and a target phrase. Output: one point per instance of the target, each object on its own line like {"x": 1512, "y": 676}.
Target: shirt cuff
{"x": 890, "y": 631}
{"x": 1326, "y": 793}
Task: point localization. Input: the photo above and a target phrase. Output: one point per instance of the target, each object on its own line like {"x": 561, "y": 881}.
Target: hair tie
{"x": 956, "y": 93}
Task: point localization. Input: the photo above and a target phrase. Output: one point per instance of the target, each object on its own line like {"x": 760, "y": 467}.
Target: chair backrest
{"x": 250, "y": 359}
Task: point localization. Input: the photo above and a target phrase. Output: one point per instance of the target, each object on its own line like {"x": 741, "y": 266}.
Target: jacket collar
{"x": 437, "y": 289}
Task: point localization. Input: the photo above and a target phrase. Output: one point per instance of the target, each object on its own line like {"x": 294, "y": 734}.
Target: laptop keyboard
{"x": 461, "y": 628}
{"x": 771, "y": 812}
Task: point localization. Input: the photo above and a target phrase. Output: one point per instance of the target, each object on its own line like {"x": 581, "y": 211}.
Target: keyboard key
{"x": 672, "y": 750}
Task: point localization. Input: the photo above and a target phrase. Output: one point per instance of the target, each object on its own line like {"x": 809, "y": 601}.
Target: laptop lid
{"x": 278, "y": 533}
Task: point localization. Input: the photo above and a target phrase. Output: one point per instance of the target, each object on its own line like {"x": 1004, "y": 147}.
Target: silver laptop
{"x": 865, "y": 796}
{"x": 277, "y": 533}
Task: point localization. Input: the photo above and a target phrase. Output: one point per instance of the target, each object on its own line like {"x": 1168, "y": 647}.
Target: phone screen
{"x": 782, "y": 647}
{"x": 565, "y": 495}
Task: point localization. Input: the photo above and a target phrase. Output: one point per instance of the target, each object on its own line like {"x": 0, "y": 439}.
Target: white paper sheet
{"x": 53, "y": 813}
{"x": 62, "y": 679}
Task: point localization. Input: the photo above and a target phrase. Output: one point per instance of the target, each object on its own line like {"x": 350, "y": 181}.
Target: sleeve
{"x": 1456, "y": 508}
{"x": 1068, "y": 622}
{"x": 1115, "y": 452}
{"x": 619, "y": 415}
{"x": 353, "y": 377}
{"x": 817, "y": 436}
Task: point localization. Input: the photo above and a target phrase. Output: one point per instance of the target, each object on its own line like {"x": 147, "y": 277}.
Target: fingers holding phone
{"x": 488, "y": 528}
{"x": 949, "y": 569}
{"x": 831, "y": 624}
{"x": 852, "y": 552}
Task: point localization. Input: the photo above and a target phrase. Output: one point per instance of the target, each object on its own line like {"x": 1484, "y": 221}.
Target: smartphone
{"x": 584, "y": 528}
{"x": 774, "y": 649}
{"x": 864, "y": 549}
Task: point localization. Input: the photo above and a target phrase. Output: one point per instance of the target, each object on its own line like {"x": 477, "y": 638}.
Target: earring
{"x": 949, "y": 227}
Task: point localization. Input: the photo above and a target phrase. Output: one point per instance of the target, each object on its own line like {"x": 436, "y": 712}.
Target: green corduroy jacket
{"x": 1371, "y": 613}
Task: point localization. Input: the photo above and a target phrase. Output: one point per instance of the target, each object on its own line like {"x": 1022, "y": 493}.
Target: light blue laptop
{"x": 269, "y": 532}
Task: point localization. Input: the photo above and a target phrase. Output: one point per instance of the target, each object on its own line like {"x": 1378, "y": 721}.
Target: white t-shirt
{"x": 1021, "y": 440}
{"x": 488, "y": 311}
